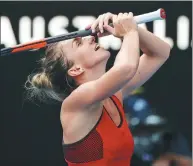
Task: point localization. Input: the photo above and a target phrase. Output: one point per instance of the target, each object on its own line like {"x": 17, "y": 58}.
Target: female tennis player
{"x": 95, "y": 131}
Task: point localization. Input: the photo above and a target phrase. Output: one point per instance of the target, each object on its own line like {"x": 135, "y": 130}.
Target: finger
{"x": 125, "y": 15}
{"x": 130, "y": 14}
{"x": 101, "y": 22}
{"x": 114, "y": 19}
{"x": 120, "y": 15}
{"x": 94, "y": 25}
{"x": 109, "y": 29}
{"x": 103, "y": 34}
{"x": 115, "y": 22}
{"x": 108, "y": 17}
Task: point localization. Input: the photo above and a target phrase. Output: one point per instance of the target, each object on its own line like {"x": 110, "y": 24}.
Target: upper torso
{"x": 106, "y": 141}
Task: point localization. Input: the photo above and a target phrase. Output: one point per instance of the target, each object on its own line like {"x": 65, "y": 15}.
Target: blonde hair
{"x": 41, "y": 80}
{"x": 40, "y": 87}
{"x": 52, "y": 81}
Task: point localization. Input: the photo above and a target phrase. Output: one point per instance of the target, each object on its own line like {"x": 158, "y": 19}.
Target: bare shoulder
{"x": 80, "y": 98}
{"x": 119, "y": 95}
{"x": 85, "y": 96}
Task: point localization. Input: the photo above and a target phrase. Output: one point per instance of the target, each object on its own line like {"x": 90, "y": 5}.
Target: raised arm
{"x": 156, "y": 52}
{"x": 127, "y": 61}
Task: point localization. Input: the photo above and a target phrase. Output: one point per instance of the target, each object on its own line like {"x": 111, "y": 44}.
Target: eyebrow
{"x": 75, "y": 39}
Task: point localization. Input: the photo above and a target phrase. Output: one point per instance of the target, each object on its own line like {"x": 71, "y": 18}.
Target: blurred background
{"x": 159, "y": 113}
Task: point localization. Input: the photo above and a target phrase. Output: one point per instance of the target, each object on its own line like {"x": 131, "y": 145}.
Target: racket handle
{"x": 152, "y": 16}
{"x": 159, "y": 14}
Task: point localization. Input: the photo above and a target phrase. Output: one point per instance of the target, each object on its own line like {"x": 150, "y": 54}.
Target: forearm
{"x": 129, "y": 52}
{"x": 152, "y": 45}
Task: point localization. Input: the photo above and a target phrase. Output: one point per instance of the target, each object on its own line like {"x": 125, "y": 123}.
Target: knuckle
{"x": 100, "y": 16}
{"x": 131, "y": 14}
{"x": 107, "y": 17}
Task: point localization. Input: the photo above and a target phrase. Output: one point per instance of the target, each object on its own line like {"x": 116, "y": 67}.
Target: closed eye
{"x": 77, "y": 41}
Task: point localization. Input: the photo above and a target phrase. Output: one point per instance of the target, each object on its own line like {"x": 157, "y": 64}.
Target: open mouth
{"x": 97, "y": 47}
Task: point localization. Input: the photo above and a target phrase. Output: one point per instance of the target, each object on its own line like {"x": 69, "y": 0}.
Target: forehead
{"x": 67, "y": 47}
{"x": 66, "y": 42}
{"x": 70, "y": 41}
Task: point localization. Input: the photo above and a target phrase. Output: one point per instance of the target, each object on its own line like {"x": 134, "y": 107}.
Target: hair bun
{"x": 41, "y": 80}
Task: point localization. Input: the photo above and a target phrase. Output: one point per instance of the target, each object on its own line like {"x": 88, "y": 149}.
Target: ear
{"x": 75, "y": 71}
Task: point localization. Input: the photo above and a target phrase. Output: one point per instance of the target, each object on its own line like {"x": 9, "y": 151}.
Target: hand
{"x": 123, "y": 23}
{"x": 99, "y": 23}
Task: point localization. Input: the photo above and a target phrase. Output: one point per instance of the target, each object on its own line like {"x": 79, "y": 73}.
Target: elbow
{"x": 132, "y": 71}
{"x": 163, "y": 52}
{"x": 167, "y": 50}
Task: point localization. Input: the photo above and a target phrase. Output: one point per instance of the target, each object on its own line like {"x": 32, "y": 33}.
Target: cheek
{"x": 90, "y": 61}
{"x": 89, "y": 57}
{"x": 85, "y": 57}
{"x": 101, "y": 55}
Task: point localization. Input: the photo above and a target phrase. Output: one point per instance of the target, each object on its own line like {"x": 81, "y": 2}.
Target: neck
{"x": 91, "y": 75}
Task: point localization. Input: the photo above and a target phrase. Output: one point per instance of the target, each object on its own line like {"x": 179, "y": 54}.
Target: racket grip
{"x": 152, "y": 16}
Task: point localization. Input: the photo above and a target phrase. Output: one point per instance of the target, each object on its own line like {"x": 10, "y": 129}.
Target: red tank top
{"x": 105, "y": 145}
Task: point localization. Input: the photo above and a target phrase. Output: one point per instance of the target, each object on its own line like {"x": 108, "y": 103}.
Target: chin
{"x": 105, "y": 57}
{"x": 106, "y": 53}
{"x": 102, "y": 56}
